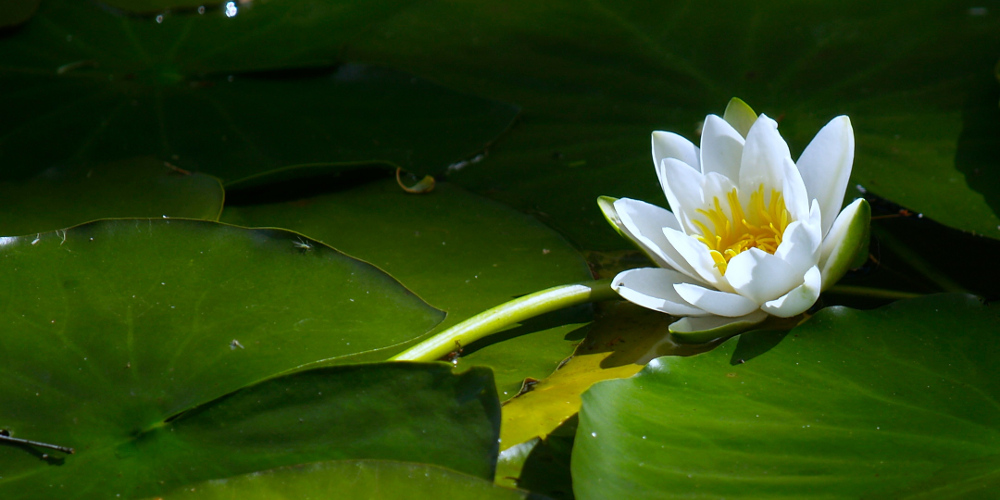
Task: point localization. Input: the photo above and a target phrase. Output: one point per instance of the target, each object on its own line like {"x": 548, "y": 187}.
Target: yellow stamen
{"x": 760, "y": 226}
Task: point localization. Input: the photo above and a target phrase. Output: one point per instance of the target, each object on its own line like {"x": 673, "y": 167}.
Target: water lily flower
{"x": 751, "y": 234}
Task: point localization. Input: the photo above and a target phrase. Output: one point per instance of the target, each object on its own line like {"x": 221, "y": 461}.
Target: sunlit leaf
{"x": 112, "y": 327}
{"x": 849, "y": 404}
{"x": 352, "y": 479}
{"x": 460, "y": 252}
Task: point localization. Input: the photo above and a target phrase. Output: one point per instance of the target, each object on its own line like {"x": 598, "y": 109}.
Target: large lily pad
{"x": 138, "y": 187}
{"x": 596, "y": 78}
{"x": 111, "y": 327}
{"x": 162, "y": 306}
{"x": 398, "y": 411}
{"x": 460, "y": 252}
{"x": 851, "y": 403}
{"x": 221, "y": 94}
{"x": 352, "y": 479}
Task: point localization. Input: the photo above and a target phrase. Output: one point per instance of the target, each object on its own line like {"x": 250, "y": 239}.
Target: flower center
{"x": 760, "y": 226}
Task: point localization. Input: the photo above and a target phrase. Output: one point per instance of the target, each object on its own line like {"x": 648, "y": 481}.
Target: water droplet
{"x": 231, "y": 9}
{"x": 593, "y": 434}
{"x": 201, "y": 9}
{"x": 159, "y": 19}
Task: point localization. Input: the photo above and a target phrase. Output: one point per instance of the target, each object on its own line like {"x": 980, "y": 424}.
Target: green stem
{"x": 506, "y": 314}
{"x": 876, "y": 293}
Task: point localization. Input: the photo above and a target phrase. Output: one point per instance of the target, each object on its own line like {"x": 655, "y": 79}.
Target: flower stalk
{"x": 506, "y": 314}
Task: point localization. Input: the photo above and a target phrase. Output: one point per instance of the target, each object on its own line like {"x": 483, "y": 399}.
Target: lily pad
{"x": 595, "y": 79}
{"x": 397, "y": 411}
{"x": 460, "y": 252}
{"x": 231, "y": 96}
{"x": 139, "y": 187}
{"x": 112, "y": 327}
{"x": 352, "y": 479}
{"x": 849, "y": 404}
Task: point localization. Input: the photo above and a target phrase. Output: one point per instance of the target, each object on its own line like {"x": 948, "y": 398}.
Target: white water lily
{"x": 751, "y": 233}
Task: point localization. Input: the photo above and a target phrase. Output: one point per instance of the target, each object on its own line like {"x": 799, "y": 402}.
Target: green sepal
{"x": 851, "y": 249}
{"x": 699, "y": 330}
{"x": 740, "y": 115}
{"x": 607, "y": 206}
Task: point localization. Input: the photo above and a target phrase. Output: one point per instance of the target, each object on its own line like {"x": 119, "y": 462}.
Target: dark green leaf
{"x": 139, "y": 187}
{"x": 595, "y": 79}
{"x": 395, "y": 411}
{"x": 547, "y": 468}
{"x": 168, "y": 6}
{"x": 220, "y": 95}
{"x": 851, "y": 403}
{"x": 352, "y": 479}
{"x": 13, "y": 12}
{"x": 460, "y": 252}
{"x": 111, "y": 327}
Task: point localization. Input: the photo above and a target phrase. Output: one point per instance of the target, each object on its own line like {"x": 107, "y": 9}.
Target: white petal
{"x": 695, "y": 253}
{"x": 800, "y": 299}
{"x": 846, "y": 243}
{"x": 800, "y": 245}
{"x": 766, "y": 161}
{"x": 708, "y": 328}
{"x": 683, "y": 187}
{"x": 721, "y": 148}
{"x": 826, "y": 164}
{"x": 670, "y": 145}
{"x": 797, "y": 200}
{"x": 643, "y": 223}
{"x": 763, "y": 156}
{"x": 653, "y": 288}
{"x": 760, "y": 276}
{"x": 716, "y": 302}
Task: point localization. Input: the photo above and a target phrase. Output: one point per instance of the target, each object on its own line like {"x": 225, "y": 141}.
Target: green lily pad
{"x": 137, "y": 300}
{"x": 460, "y": 252}
{"x": 594, "y": 88}
{"x": 352, "y": 479}
{"x": 397, "y": 411}
{"x": 114, "y": 326}
{"x": 139, "y": 187}
{"x": 849, "y": 404}
{"x": 14, "y": 12}
{"x": 222, "y": 95}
